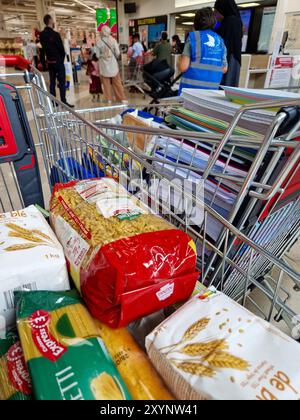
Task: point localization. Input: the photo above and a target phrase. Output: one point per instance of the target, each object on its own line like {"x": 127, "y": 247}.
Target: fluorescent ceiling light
{"x": 249, "y": 5}
{"x": 188, "y": 23}
{"x": 63, "y": 11}
{"x": 63, "y": 4}
{"x": 177, "y": 17}
{"x": 188, "y": 14}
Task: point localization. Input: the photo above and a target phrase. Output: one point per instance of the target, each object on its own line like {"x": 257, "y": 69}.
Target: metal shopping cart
{"x": 133, "y": 75}
{"x": 70, "y": 146}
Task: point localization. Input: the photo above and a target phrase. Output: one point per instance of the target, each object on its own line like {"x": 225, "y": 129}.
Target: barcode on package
{"x": 9, "y": 294}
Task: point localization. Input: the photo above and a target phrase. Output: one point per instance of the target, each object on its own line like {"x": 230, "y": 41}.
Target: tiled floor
{"x": 83, "y": 100}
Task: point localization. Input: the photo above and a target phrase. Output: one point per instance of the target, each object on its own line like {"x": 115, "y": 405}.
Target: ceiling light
{"x": 188, "y": 23}
{"x": 249, "y": 5}
{"x": 177, "y": 17}
{"x": 188, "y": 14}
{"x": 63, "y": 11}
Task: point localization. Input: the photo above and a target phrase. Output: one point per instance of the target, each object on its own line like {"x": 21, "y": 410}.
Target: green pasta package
{"x": 15, "y": 382}
{"x": 59, "y": 337}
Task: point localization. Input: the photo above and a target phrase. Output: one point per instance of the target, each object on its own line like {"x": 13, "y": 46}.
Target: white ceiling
{"x": 20, "y": 16}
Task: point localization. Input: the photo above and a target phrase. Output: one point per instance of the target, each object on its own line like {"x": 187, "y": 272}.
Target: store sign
{"x": 148, "y": 21}
{"x": 282, "y": 72}
{"x": 186, "y": 3}
{"x": 113, "y": 21}
{"x": 107, "y": 17}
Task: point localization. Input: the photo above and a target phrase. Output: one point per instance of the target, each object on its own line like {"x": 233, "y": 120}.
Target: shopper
{"x": 231, "y": 30}
{"x": 137, "y": 54}
{"x": 137, "y": 47}
{"x": 163, "y": 51}
{"x": 204, "y": 58}
{"x": 108, "y": 52}
{"x": 177, "y": 45}
{"x": 94, "y": 78}
{"x": 55, "y": 53}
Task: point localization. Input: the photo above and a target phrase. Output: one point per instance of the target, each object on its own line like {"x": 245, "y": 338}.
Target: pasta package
{"x": 214, "y": 349}
{"x": 125, "y": 261}
{"x": 59, "y": 337}
{"x": 15, "y": 383}
{"x": 31, "y": 258}
{"x": 140, "y": 377}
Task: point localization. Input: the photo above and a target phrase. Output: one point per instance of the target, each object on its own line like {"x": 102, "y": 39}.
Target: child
{"x": 204, "y": 59}
{"x": 95, "y": 81}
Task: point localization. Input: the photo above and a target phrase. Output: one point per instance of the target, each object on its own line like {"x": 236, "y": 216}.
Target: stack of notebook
{"x": 212, "y": 111}
{"x": 183, "y": 160}
{"x": 253, "y": 96}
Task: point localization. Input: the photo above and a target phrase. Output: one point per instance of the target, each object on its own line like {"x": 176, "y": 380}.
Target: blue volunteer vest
{"x": 207, "y": 53}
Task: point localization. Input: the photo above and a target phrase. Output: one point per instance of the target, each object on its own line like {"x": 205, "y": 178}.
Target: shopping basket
{"x": 65, "y": 134}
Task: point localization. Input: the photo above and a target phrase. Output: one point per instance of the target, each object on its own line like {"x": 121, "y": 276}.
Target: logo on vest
{"x": 211, "y": 41}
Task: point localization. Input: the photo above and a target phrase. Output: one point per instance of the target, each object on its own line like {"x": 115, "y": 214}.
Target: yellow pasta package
{"x": 140, "y": 377}
{"x": 15, "y": 383}
{"x": 61, "y": 339}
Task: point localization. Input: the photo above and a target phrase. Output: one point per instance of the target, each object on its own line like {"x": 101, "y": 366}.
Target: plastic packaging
{"x": 31, "y": 258}
{"x": 212, "y": 348}
{"x": 140, "y": 377}
{"x": 66, "y": 358}
{"x": 15, "y": 383}
{"x": 125, "y": 261}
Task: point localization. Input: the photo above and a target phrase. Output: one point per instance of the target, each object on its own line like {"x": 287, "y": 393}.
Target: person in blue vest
{"x": 204, "y": 59}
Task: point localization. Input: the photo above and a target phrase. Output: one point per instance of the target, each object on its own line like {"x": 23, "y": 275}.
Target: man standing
{"x": 163, "y": 51}
{"x": 55, "y": 53}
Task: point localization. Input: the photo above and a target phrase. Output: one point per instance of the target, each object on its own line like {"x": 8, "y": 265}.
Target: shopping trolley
{"x": 71, "y": 145}
{"x": 133, "y": 75}
{"x": 268, "y": 152}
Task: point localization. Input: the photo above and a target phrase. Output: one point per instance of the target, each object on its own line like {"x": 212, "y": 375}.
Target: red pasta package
{"x": 125, "y": 261}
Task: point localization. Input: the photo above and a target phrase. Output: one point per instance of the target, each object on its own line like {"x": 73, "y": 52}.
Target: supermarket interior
{"x": 150, "y": 202}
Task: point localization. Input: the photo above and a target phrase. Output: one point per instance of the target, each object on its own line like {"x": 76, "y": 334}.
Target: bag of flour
{"x": 31, "y": 258}
{"x": 212, "y": 348}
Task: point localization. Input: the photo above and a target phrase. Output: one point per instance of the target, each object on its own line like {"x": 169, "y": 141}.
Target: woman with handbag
{"x": 108, "y": 52}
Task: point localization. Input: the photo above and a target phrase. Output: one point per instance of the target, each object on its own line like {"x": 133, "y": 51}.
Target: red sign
{"x": 17, "y": 370}
{"x": 284, "y": 63}
{"x": 47, "y": 345}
